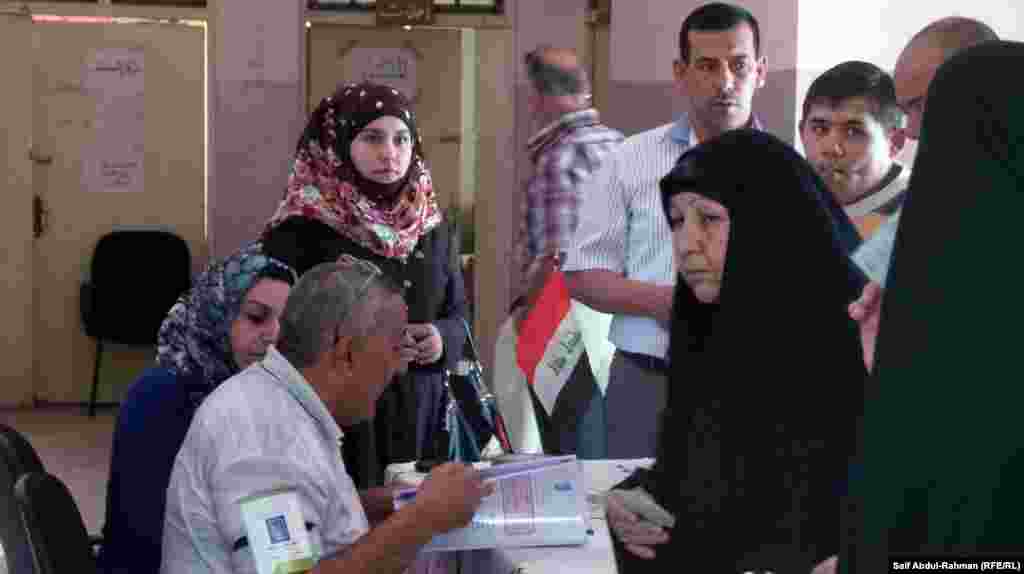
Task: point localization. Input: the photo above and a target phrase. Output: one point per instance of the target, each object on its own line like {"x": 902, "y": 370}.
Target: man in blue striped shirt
{"x": 621, "y": 261}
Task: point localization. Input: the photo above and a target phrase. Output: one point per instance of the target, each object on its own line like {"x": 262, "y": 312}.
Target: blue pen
{"x": 405, "y": 494}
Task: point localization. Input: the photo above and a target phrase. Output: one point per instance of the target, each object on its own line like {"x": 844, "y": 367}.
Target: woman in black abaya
{"x": 760, "y": 427}
{"x": 943, "y": 453}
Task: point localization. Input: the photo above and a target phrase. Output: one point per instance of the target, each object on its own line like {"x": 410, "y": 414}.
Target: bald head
{"x": 925, "y": 52}
{"x": 954, "y": 34}
{"x": 556, "y": 72}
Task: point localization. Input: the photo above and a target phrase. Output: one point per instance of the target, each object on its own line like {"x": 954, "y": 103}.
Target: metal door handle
{"x": 40, "y": 216}
{"x": 39, "y": 158}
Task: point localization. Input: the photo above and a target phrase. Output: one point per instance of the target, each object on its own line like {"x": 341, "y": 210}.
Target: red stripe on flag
{"x": 540, "y": 324}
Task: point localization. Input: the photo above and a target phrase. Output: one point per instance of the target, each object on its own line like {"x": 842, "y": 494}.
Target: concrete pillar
{"x": 256, "y": 113}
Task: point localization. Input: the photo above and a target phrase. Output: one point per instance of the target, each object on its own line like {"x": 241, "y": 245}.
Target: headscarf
{"x": 759, "y": 426}
{"x": 943, "y": 453}
{"x": 325, "y": 185}
{"x": 195, "y": 338}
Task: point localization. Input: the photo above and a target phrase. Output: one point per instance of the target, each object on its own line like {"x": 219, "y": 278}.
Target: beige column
{"x": 256, "y": 112}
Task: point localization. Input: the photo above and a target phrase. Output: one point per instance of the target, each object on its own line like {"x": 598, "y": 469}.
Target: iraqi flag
{"x": 561, "y": 357}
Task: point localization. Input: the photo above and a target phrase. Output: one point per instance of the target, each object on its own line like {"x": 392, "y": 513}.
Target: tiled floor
{"x": 73, "y": 447}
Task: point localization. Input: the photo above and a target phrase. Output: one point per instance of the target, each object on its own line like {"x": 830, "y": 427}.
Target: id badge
{"x": 276, "y": 532}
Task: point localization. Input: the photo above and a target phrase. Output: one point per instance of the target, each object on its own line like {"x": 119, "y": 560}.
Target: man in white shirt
{"x": 851, "y": 130}
{"x": 276, "y": 427}
{"x": 621, "y": 260}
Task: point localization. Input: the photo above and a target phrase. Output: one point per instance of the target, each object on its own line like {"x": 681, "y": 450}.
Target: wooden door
{"x": 16, "y": 216}
{"x": 110, "y": 95}
{"x": 598, "y": 41}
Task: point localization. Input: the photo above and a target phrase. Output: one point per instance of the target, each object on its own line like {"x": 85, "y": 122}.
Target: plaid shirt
{"x": 565, "y": 154}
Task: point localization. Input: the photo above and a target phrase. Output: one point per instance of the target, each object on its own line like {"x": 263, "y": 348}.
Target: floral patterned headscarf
{"x": 325, "y": 185}
{"x": 195, "y": 338}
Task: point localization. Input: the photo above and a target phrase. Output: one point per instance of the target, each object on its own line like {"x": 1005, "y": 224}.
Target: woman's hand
{"x": 867, "y": 311}
{"x": 638, "y": 534}
{"x": 423, "y": 343}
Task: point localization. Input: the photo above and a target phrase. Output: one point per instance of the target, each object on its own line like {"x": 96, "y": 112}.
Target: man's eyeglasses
{"x": 372, "y": 271}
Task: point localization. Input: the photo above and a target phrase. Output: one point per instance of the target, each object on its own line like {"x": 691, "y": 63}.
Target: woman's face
{"x": 258, "y": 321}
{"x": 700, "y": 236}
{"x": 382, "y": 151}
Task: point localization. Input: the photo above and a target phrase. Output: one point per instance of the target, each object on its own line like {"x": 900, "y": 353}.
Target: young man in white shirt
{"x": 852, "y": 132}
{"x": 915, "y": 68}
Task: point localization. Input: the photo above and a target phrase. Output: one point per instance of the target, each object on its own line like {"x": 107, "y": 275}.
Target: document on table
{"x": 535, "y": 503}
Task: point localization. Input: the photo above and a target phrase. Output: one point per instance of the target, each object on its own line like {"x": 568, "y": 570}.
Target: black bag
{"x": 472, "y": 418}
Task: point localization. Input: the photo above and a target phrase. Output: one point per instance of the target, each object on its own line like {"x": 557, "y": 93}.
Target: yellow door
{"x": 130, "y": 98}
{"x": 16, "y": 216}
{"x": 339, "y": 54}
{"x": 598, "y": 36}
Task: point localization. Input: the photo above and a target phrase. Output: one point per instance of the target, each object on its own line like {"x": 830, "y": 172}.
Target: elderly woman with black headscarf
{"x": 756, "y": 441}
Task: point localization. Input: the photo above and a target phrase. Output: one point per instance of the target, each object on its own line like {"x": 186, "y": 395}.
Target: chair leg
{"x": 95, "y": 378}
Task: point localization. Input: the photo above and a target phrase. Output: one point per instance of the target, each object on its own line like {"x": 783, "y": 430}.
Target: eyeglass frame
{"x": 350, "y": 261}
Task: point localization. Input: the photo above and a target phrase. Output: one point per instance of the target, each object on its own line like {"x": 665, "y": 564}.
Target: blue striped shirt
{"x": 622, "y": 227}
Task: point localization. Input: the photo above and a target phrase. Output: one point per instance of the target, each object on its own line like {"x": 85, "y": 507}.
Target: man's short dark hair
{"x": 551, "y": 80}
{"x": 856, "y": 79}
{"x": 716, "y": 17}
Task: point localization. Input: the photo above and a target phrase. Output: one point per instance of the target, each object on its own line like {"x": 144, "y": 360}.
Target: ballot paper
{"x": 875, "y": 255}
{"x": 535, "y": 503}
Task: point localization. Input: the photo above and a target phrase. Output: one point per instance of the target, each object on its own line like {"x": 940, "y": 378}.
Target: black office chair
{"x": 18, "y": 458}
{"x": 17, "y": 551}
{"x": 135, "y": 278}
{"x": 56, "y": 531}
{"x": 17, "y": 454}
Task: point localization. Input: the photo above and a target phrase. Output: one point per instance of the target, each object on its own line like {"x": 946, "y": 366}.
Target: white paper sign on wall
{"x": 114, "y": 159}
{"x": 395, "y": 67}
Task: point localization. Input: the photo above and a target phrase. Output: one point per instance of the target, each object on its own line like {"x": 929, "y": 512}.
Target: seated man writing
{"x": 276, "y": 427}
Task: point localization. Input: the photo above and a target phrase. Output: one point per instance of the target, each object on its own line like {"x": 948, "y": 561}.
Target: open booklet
{"x": 535, "y": 503}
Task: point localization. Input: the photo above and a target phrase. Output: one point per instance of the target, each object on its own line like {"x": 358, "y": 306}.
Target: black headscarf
{"x": 764, "y": 395}
{"x": 943, "y": 448}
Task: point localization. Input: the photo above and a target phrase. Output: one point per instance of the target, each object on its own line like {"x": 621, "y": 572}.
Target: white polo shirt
{"x": 262, "y": 429}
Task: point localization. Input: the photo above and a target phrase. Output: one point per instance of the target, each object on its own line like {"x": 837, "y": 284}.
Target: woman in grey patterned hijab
{"x": 195, "y": 339}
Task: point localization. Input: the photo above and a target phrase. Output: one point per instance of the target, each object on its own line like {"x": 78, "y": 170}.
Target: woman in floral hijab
{"x": 360, "y": 186}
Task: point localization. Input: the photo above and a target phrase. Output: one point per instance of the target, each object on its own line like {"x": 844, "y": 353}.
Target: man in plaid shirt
{"x": 568, "y": 149}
